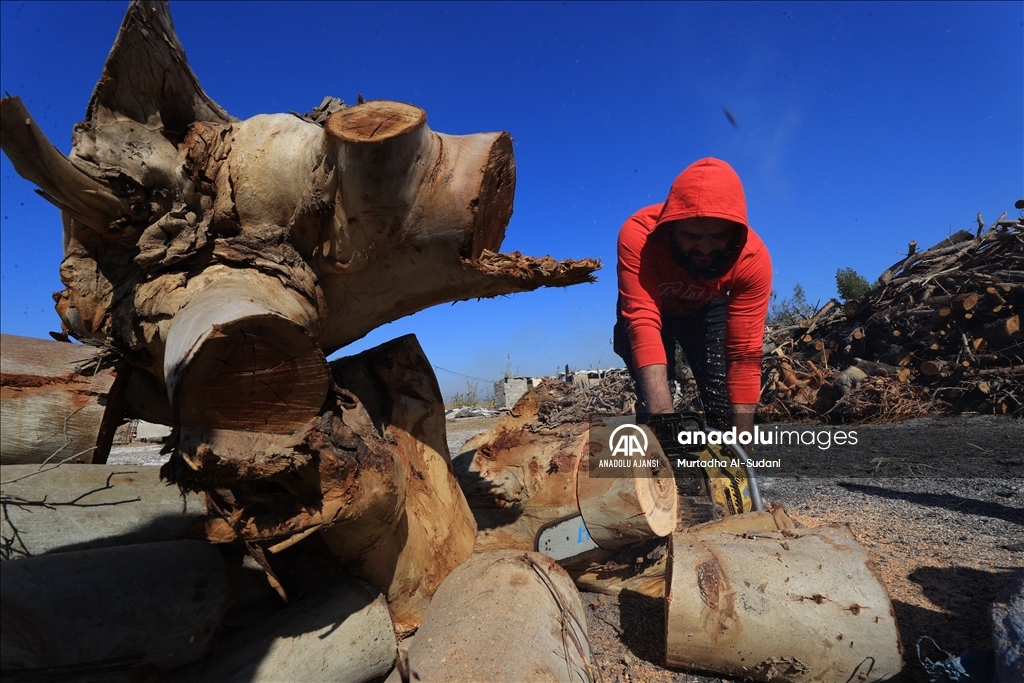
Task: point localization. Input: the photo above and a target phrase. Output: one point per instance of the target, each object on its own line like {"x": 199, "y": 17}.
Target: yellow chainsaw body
{"x": 729, "y": 486}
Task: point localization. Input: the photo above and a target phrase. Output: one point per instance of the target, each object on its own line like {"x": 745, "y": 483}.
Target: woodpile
{"x": 212, "y": 265}
{"x": 939, "y": 333}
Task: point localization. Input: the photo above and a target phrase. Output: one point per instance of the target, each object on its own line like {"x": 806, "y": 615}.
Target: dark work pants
{"x": 701, "y": 335}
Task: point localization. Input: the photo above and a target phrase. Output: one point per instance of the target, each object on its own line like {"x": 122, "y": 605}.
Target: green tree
{"x": 851, "y": 284}
{"x": 789, "y": 311}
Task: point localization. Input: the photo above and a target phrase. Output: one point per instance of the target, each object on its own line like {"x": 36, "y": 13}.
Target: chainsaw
{"x": 731, "y": 487}
{"x": 724, "y": 485}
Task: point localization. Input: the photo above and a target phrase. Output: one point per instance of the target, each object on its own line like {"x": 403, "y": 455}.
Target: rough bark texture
{"x": 170, "y": 205}
{"x": 51, "y": 405}
{"x": 535, "y": 627}
{"x": 371, "y": 474}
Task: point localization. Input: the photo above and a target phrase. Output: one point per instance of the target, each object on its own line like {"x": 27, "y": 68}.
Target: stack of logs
{"x": 941, "y": 332}
{"x": 313, "y": 551}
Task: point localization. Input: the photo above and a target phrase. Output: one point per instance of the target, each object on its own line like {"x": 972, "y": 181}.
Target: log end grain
{"x": 375, "y": 121}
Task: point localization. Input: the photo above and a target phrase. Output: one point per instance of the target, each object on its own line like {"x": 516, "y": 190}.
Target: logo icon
{"x": 625, "y": 441}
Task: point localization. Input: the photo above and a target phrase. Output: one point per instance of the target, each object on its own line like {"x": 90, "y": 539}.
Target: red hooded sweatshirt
{"x": 652, "y": 284}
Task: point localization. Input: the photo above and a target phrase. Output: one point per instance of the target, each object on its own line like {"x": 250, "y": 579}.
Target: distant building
{"x": 511, "y": 389}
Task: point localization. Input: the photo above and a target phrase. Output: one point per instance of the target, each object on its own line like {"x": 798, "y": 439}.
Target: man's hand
{"x": 654, "y": 391}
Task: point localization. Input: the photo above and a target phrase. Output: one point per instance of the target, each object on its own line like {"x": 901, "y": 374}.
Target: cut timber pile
{"x": 940, "y": 332}
{"x": 218, "y": 262}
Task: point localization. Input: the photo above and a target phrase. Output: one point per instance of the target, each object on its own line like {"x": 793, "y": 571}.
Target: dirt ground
{"x": 938, "y": 503}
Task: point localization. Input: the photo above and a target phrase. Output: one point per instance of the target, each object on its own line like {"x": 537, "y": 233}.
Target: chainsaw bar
{"x": 565, "y": 539}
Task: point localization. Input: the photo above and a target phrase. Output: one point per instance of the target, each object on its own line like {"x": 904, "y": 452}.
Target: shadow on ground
{"x": 1014, "y": 515}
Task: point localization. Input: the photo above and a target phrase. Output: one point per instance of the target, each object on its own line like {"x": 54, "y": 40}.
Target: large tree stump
{"x": 227, "y": 258}
{"x": 371, "y": 474}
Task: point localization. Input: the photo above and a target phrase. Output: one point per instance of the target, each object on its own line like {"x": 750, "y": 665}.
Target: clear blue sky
{"x": 861, "y": 126}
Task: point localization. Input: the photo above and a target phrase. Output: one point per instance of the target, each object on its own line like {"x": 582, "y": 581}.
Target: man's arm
{"x": 748, "y": 308}
{"x": 653, "y": 389}
{"x": 743, "y": 416}
{"x": 654, "y": 392}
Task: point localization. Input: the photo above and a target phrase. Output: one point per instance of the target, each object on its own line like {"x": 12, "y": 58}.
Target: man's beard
{"x": 714, "y": 267}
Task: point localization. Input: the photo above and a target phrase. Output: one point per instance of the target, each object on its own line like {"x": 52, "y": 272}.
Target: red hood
{"x": 707, "y": 188}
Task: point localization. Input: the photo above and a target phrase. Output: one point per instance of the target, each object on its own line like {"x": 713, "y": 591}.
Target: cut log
{"x": 1002, "y": 331}
{"x": 521, "y": 474}
{"x": 622, "y": 510}
{"x": 50, "y": 410}
{"x": 371, "y": 474}
{"x": 341, "y": 634}
{"x": 815, "y": 590}
{"x": 535, "y": 628}
{"x": 930, "y": 368}
{"x": 157, "y": 603}
{"x": 242, "y": 355}
{"x": 612, "y": 573}
{"x": 80, "y": 507}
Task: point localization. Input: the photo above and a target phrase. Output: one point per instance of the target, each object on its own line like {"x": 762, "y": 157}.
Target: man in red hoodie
{"x": 692, "y": 271}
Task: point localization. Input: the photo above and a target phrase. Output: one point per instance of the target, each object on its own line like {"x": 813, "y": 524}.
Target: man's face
{"x": 705, "y": 244}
